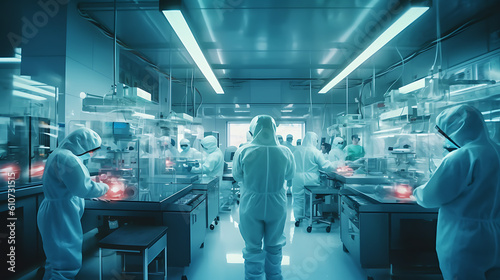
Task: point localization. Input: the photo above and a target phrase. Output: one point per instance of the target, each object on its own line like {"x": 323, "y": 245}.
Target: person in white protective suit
{"x": 188, "y": 152}
{"x": 288, "y": 142}
{"x": 66, "y": 182}
{"x": 466, "y": 188}
{"x": 280, "y": 139}
{"x": 263, "y": 166}
{"x": 309, "y": 160}
{"x": 213, "y": 165}
{"x": 336, "y": 154}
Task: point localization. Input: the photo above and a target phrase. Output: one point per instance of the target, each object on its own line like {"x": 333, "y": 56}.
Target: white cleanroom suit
{"x": 263, "y": 166}
{"x": 66, "y": 182}
{"x": 187, "y": 151}
{"x": 213, "y": 165}
{"x": 466, "y": 188}
{"x": 308, "y": 160}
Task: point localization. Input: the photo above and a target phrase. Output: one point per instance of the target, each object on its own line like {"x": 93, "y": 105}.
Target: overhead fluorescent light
{"x": 181, "y": 28}
{"x": 33, "y": 88}
{"x": 418, "y": 84}
{"x": 404, "y": 21}
{"x": 27, "y": 95}
{"x": 142, "y": 115}
{"x": 143, "y": 94}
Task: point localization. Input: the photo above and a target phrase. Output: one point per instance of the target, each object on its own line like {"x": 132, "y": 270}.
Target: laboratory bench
{"x": 177, "y": 206}
{"x": 381, "y": 230}
{"x": 210, "y": 185}
{"x": 337, "y": 180}
{"x": 354, "y": 178}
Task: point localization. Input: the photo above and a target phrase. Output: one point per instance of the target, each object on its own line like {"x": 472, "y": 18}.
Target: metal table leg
{"x": 100, "y": 264}
{"x": 145, "y": 264}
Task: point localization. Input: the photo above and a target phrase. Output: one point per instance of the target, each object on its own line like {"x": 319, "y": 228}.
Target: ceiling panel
{"x": 286, "y": 39}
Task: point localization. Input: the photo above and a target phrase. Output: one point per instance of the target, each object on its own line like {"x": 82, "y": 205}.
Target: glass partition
{"x": 28, "y": 129}
{"x": 137, "y": 159}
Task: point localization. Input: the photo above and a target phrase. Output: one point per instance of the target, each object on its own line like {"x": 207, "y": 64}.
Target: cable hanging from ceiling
{"x": 426, "y": 47}
{"x": 111, "y": 35}
{"x": 106, "y": 32}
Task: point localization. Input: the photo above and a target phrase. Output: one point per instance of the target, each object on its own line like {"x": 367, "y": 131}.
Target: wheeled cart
{"x": 316, "y": 196}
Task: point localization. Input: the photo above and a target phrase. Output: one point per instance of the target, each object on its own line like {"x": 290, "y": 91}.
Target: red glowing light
{"x": 345, "y": 170}
{"x": 10, "y": 172}
{"x": 116, "y": 187}
{"x": 403, "y": 191}
{"x": 37, "y": 170}
{"x": 169, "y": 163}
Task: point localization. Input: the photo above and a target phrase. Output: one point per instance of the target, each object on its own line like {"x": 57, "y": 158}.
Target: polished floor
{"x": 315, "y": 255}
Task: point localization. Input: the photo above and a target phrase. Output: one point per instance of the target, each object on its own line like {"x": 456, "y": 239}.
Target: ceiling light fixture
{"x": 143, "y": 94}
{"x": 416, "y": 85}
{"x": 404, "y": 21}
{"x": 33, "y": 89}
{"x": 181, "y": 28}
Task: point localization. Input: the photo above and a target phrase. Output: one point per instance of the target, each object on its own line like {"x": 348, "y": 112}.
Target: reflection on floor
{"x": 315, "y": 255}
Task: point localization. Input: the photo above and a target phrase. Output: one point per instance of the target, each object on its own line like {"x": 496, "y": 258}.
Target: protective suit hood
{"x": 186, "y": 142}
{"x": 81, "y": 141}
{"x": 338, "y": 140}
{"x": 310, "y": 140}
{"x": 209, "y": 143}
{"x": 463, "y": 124}
{"x": 263, "y": 129}
{"x": 249, "y": 136}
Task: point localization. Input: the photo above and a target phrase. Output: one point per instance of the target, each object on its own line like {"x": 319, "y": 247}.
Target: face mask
{"x": 85, "y": 156}
{"x": 184, "y": 147}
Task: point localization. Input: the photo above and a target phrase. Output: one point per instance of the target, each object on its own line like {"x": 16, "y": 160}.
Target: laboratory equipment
{"x": 177, "y": 206}
{"x": 316, "y": 196}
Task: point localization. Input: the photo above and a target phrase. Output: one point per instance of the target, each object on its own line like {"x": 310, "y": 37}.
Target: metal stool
{"x": 149, "y": 241}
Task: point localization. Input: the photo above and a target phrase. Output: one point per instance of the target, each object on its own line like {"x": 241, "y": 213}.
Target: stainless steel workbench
{"x": 347, "y": 178}
{"x": 210, "y": 185}
{"x": 382, "y": 231}
{"x": 177, "y": 206}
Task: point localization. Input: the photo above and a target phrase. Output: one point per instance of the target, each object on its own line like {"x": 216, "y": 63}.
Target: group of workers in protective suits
{"x": 67, "y": 182}
{"x": 466, "y": 188}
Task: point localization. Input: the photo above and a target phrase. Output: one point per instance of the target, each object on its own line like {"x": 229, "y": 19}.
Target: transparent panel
{"x": 28, "y": 132}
